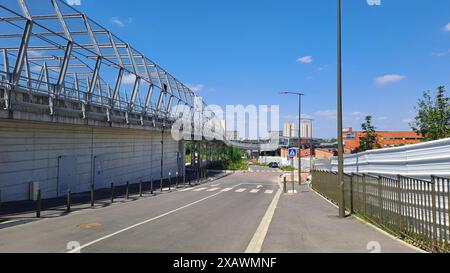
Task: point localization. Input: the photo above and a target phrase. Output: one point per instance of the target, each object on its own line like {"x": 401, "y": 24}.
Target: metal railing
{"x": 414, "y": 209}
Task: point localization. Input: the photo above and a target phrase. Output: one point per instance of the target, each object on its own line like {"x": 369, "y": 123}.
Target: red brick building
{"x": 385, "y": 139}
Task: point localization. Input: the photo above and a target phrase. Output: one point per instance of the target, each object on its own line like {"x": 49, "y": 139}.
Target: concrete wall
{"x": 39, "y": 152}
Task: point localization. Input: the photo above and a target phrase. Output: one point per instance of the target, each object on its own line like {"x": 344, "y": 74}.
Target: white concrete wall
{"x": 30, "y": 151}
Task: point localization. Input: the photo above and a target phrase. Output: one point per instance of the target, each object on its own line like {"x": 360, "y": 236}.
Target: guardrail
{"x": 414, "y": 209}
{"x": 417, "y": 160}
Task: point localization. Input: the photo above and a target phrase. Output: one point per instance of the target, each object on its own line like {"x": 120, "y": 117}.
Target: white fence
{"x": 419, "y": 160}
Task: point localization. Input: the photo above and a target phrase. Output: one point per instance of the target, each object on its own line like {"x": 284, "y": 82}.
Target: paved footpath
{"x": 306, "y": 222}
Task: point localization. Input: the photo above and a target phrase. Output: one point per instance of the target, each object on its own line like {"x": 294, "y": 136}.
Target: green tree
{"x": 433, "y": 116}
{"x": 369, "y": 140}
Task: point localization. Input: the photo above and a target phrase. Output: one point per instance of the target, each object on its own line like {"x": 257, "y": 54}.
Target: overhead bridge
{"x": 80, "y": 106}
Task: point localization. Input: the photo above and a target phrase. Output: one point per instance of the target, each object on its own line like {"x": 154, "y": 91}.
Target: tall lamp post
{"x": 339, "y": 118}
{"x": 299, "y": 132}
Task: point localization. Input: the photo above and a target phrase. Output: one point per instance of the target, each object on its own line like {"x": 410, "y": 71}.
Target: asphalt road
{"x": 221, "y": 216}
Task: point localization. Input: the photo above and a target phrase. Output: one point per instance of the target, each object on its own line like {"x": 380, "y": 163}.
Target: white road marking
{"x": 200, "y": 189}
{"x": 78, "y": 249}
{"x": 227, "y": 189}
{"x": 187, "y": 189}
{"x": 257, "y": 241}
{"x": 213, "y": 189}
{"x": 215, "y": 185}
{"x": 241, "y": 190}
{"x": 254, "y": 191}
{"x": 259, "y": 186}
{"x": 268, "y": 192}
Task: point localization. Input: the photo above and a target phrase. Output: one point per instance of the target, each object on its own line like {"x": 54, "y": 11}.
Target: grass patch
{"x": 287, "y": 168}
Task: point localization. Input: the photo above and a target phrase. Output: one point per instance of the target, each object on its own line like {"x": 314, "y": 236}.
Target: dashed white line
{"x": 240, "y": 190}
{"x": 213, "y": 189}
{"x": 254, "y": 191}
{"x": 227, "y": 189}
{"x": 268, "y": 192}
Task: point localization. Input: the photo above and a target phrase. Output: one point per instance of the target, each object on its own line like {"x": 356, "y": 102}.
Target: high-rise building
{"x": 289, "y": 130}
{"x": 307, "y": 125}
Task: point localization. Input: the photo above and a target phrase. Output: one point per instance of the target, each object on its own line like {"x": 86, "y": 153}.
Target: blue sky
{"x": 246, "y": 52}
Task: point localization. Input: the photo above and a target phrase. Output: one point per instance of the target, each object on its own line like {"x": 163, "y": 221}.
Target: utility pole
{"x": 339, "y": 118}
{"x": 299, "y": 132}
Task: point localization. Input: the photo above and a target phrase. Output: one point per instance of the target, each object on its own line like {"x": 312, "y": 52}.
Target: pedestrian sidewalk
{"x": 307, "y": 223}
{"x": 21, "y": 212}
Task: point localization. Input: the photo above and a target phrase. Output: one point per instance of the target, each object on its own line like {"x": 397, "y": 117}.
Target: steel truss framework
{"x": 55, "y": 50}
{"x": 55, "y": 54}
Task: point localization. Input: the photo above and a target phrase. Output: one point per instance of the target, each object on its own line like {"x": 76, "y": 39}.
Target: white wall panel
{"x": 419, "y": 160}
{"x": 29, "y": 153}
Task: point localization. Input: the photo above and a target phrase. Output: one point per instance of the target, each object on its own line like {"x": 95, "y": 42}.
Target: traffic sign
{"x": 292, "y": 153}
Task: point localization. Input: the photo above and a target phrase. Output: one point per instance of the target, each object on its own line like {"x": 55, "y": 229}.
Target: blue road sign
{"x": 292, "y": 153}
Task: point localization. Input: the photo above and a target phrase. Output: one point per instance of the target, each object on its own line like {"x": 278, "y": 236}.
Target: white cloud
{"x": 304, "y": 116}
{"x": 441, "y": 54}
{"x": 322, "y": 68}
{"x": 305, "y": 59}
{"x": 389, "y": 79}
{"x": 36, "y": 68}
{"x": 35, "y": 53}
{"x": 196, "y": 87}
{"x": 407, "y": 120}
{"x": 129, "y": 79}
{"x": 120, "y": 22}
{"x": 328, "y": 114}
{"x": 447, "y": 27}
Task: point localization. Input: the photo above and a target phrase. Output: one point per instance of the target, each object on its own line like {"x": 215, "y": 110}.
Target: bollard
{"x": 38, "y": 204}
{"x": 206, "y": 174}
{"x": 140, "y": 188}
{"x": 151, "y": 186}
{"x": 161, "y": 184}
{"x": 112, "y": 193}
{"x": 184, "y": 179}
{"x": 69, "y": 200}
{"x": 92, "y": 196}
{"x": 127, "y": 193}
{"x": 170, "y": 180}
{"x": 178, "y": 180}
{"x": 0, "y": 200}
{"x": 284, "y": 185}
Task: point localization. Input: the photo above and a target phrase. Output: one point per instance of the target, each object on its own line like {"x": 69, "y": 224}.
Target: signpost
{"x": 292, "y": 153}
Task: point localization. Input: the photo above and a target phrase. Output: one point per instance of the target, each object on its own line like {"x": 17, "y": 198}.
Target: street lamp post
{"x": 299, "y": 132}
{"x": 339, "y": 118}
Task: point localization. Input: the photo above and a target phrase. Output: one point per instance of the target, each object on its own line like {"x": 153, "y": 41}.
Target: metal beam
{"x": 118, "y": 84}
{"x": 24, "y": 8}
{"x": 95, "y": 76}
{"x": 61, "y": 21}
{"x": 22, "y": 52}
{"x": 91, "y": 34}
{"x": 148, "y": 99}
{"x": 64, "y": 66}
{"x": 136, "y": 86}
{"x": 5, "y": 61}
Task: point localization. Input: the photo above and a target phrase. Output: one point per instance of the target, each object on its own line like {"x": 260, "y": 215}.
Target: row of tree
{"x": 432, "y": 120}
